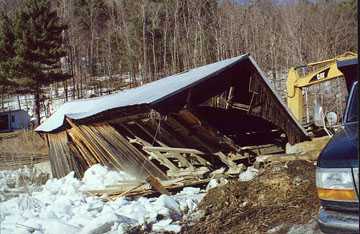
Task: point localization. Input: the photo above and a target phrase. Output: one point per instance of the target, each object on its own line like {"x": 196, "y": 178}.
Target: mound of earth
{"x": 280, "y": 196}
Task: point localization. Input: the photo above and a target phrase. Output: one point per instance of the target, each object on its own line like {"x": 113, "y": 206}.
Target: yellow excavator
{"x": 316, "y": 93}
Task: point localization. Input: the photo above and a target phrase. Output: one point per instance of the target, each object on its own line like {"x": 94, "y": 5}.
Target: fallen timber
{"x": 145, "y": 189}
{"x": 215, "y": 118}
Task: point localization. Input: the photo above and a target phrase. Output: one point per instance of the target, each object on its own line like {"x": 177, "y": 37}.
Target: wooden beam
{"x": 149, "y": 134}
{"x": 188, "y": 134}
{"x": 240, "y": 106}
{"x": 126, "y": 119}
{"x": 308, "y": 156}
{"x": 199, "y": 172}
{"x": 170, "y": 149}
{"x": 162, "y": 160}
{"x": 225, "y": 159}
{"x": 230, "y": 97}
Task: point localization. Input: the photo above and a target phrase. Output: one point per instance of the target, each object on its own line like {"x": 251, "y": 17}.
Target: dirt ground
{"x": 21, "y": 148}
{"x": 282, "y": 194}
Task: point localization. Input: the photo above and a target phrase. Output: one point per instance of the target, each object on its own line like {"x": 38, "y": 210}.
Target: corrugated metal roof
{"x": 146, "y": 94}
{"x": 159, "y": 92}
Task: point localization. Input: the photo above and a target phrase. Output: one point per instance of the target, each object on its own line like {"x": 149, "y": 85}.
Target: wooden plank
{"x": 225, "y": 159}
{"x": 240, "y": 106}
{"x": 130, "y": 190}
{"x": 108, "y": 147}
{"x": 188, "y": 136}
{"x": 198, "y": 172}
{"x": 145, "y": 190}
{"x": 308, "y": 156}
{"x": 183, "y": 162}
{"x": 149, "y": 134}
{"x": 203, "y": 132}
{"x": 171, "y": 149}
{"x": 163, "y": 160}
{"x": 200, "y": 160}
{"x": 230, "y": 97}
{"x": 155, "y": 183}
{"x": 139, "y": 141}
{"x": 165, "y": 135}
{"x": 130, "y": 153}
{"x": 61, "y": 159}
{"x": 177, "y": 153}
{"x": 125, "y": 119}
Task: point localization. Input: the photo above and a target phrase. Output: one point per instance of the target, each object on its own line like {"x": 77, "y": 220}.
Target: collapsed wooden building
{"x": 190, "y": 124}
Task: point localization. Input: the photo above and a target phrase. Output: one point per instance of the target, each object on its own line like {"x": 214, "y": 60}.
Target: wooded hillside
{"x": 149, "y": 39}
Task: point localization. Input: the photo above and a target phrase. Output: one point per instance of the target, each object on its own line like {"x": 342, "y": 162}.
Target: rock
{"x": 249, "y": 174}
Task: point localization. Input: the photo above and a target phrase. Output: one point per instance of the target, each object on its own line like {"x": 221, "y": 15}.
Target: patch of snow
{"x": 310, "y": 228}
{"x": 98, "y": 177}
{"x": 249, "y": 174}
{"x": 277, "y": 229}
{"x": 62, "y": 206}
{"x": 166, "y": 226}
{"x": 215, "y": 183}
{"x": 14, "y": 182}
{"x": 212, "y": 184}
{"x": 190, "y": 191}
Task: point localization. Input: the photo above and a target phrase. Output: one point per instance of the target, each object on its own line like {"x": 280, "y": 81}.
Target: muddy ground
{"x": 281, "y": 196}
{"x": 21, "y": 148}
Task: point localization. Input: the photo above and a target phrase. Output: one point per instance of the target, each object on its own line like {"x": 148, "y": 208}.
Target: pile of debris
{"x": 281, "y": 197}
{"x": 182, "y": 130}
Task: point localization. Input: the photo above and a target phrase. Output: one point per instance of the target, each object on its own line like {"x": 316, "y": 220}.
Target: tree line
{"x": 144, "y": 40}
{"x": 31, "y": 46}
{"x": 153, "y": 38}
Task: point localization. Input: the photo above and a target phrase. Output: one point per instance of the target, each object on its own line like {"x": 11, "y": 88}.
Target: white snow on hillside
{"x": 62, "y": 206}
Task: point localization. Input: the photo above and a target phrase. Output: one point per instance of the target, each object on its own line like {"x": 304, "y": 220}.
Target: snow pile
{"x": 20, "y": 181}
{"x": 98, "y": 177}
{"x": 61, "y": 206}
{"x": 249, "y": 174}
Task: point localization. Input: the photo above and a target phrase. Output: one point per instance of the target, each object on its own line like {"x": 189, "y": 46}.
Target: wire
{"x": 157, "y": 130}
{"x": 353, "y": 177}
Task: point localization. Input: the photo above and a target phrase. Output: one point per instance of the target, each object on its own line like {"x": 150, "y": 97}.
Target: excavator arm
{"x": 308, "y": 75}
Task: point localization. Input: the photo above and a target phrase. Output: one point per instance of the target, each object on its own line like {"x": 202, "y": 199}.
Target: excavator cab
{"x": 317, "y": 94}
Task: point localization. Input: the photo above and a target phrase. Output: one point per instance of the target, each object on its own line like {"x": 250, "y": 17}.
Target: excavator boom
{"x": 301, "y": 78}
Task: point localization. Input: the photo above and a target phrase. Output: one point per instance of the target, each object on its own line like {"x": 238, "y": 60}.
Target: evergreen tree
{"x": 7, "y": 50}
{"x": 38, "y": 48}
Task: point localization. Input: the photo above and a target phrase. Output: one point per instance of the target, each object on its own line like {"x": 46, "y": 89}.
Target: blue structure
{"x": 13, "y": 120}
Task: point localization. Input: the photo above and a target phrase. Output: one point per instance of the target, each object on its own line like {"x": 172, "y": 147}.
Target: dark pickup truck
{"x": 337, "y": 174}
